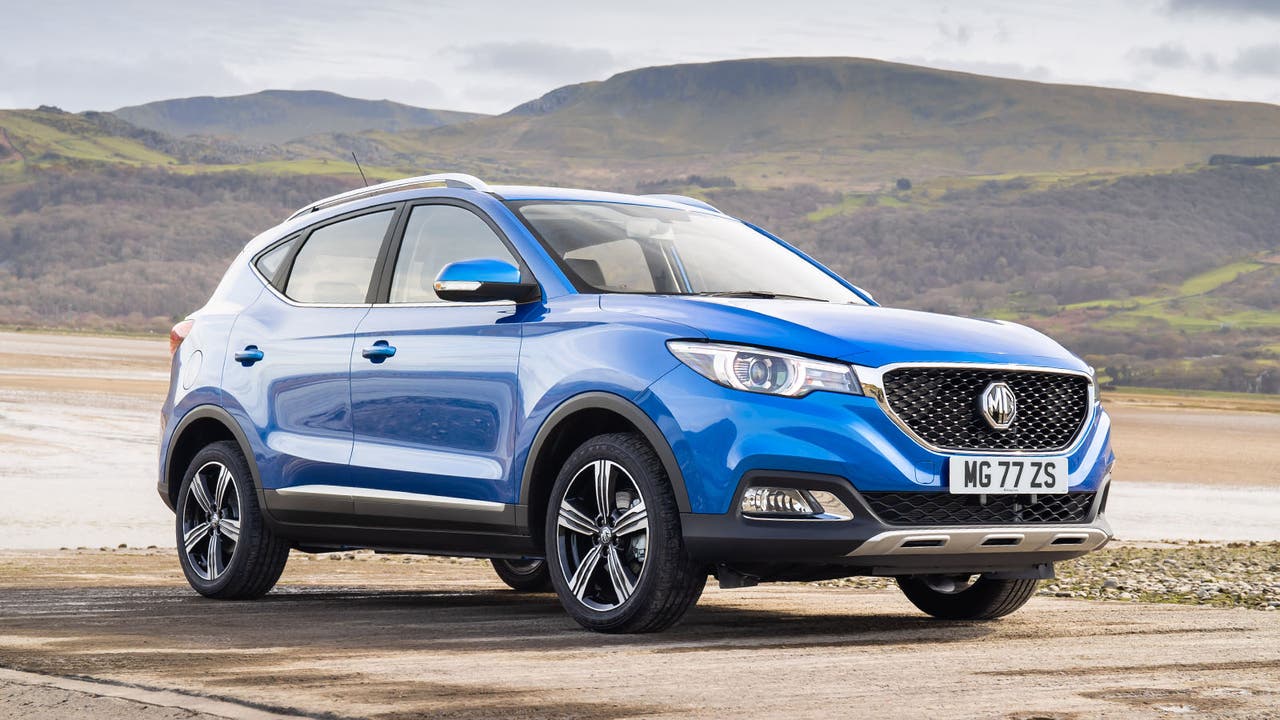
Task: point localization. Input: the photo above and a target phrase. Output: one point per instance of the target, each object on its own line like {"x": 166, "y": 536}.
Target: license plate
{"x": 1007, "y": 476}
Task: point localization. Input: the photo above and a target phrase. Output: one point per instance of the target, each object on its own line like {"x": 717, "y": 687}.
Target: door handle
{"x": 248, "y": 356}
{"x": 380, "y": 351}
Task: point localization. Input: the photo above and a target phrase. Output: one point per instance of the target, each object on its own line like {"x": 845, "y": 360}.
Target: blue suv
{"x": 615, "y": 397}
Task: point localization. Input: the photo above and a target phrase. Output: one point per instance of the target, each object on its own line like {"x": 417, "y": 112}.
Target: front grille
{"x": 941, "y": 405}
{"x": 926, "y": 508}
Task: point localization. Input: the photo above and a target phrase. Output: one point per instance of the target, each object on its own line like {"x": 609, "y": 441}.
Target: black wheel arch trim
{"x": 597, "y": 400}
{"x": 227, "y": 420}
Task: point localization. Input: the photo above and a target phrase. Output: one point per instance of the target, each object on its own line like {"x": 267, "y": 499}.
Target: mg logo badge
{"x": 999, "y": 405}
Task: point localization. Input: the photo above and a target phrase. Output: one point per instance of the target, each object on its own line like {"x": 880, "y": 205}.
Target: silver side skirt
{"x": 394, "y": 496}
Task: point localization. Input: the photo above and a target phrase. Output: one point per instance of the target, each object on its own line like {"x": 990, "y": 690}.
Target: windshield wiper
{"x": 757, "y": 294}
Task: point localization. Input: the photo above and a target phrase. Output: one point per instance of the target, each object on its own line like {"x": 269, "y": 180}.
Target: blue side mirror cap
{"x": 481, "y": 280}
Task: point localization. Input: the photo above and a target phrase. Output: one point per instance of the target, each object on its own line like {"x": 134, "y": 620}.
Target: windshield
{"x": 619, "y": 248}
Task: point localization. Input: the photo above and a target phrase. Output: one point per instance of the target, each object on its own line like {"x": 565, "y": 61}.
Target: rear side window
{"x": 336, "y": 264}
{"x": 269, "y": 262}
{"x": 435, "y": 236}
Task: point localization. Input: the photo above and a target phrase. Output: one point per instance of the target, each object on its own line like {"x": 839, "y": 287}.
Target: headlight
{"x": 764, "y": 371}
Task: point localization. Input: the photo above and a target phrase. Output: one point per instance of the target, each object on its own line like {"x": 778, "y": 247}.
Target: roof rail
{"x": 685, "y": 200}
{"x": 452, "y": 180}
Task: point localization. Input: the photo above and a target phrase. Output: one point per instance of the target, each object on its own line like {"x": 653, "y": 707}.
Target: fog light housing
{"x": 793, "y": 503}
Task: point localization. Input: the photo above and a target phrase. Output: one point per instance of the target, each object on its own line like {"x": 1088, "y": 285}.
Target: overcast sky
{"x": 489, "y": 55}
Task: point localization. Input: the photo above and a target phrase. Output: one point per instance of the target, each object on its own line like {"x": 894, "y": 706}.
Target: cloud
{"x": 1257, "y": 60}
{"x": 960, "y": 34}
{"x": 1169, "y": 55}
{"x": 77, "y": 83}
{"x": 1269, "y": 8}
{"x": 538, "y": 61}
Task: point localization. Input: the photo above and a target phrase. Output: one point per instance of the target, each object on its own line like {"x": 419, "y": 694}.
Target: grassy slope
{"x": 44, "y": 139}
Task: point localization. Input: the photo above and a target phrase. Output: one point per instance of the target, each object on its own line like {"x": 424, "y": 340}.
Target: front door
{"x": 433, "y": 386}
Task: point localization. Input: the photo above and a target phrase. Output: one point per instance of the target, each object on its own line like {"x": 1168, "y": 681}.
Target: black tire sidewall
{"x": 229, "y": 455}
{"x": 536, "y": 580}
{"x": 985, "y": 599}
{"x": 605, "y": 447}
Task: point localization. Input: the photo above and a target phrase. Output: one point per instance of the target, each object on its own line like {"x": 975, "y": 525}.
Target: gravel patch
{"x": 1232, "y": 575}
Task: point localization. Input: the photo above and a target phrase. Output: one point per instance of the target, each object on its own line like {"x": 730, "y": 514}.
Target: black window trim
{"x": 380, "y": 291}
{"x": 280, "y": 281}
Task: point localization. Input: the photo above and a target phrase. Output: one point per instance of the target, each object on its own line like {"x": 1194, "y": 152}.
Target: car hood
{"x": 860, "y": 334}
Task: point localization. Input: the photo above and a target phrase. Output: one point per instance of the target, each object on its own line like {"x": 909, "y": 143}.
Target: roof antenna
{"x": 362, "y": 177}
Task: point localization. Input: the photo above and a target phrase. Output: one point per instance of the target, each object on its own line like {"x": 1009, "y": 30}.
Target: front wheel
{"x": 613, "y": 540}
{"x": 962, "y": 597}
{"x": 226, "y": 550}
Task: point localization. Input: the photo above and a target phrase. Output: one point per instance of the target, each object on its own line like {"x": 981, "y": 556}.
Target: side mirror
{"x": 481, "y": 280}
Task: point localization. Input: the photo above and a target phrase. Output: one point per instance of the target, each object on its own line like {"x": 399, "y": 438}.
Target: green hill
{"x": 844, "y": 121}
{"x": 277, "y": 116}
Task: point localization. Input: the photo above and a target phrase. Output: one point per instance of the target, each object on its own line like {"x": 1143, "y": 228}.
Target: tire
{"x": 642, "y": 579}
{"x": 225, "y": 549}
{"x": 523, "y": 575}
{"x": 958, "y": 598}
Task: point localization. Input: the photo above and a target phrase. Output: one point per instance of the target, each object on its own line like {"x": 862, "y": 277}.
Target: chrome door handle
{"x": 380, "y": 351}
{"x": 249, "y": 355}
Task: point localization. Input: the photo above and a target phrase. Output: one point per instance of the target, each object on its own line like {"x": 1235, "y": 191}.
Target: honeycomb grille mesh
{"x": 924, "y": 508}
{"x": 941, "y": 405}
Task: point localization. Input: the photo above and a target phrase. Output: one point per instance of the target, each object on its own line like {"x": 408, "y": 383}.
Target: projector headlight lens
{"x": 764, "y": 371}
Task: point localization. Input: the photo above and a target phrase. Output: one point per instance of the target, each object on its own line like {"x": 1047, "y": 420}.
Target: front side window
{"x": 435, "y": 236}
{"x": 335, "y": 266}
{"x": 619, "y": 248}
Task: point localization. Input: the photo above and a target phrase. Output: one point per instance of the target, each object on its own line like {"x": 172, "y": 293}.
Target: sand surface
{"x": 385, "y": 637}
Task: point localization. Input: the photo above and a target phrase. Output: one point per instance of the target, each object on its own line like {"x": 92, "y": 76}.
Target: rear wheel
{"x": 225, "y": 549}
{"x": 614, "y": 547}
{"x": 964, "y": 597}
{"x": 523, "y": 575}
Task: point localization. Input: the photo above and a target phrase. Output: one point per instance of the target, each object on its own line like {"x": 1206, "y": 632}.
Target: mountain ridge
{"x": 278, "y": 116}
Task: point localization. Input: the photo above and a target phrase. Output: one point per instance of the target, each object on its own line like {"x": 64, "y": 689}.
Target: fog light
{"x": 778, "y": 501}
{"x": 833, "y": 508}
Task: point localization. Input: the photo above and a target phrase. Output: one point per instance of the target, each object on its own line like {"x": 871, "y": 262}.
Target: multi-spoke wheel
{"x": 966, "y": 597}
{"x": 225, "y": 549}
{"x": 526, "y": 575}
{"x": 211, "y": 520}
{"x": 614, "y": 548}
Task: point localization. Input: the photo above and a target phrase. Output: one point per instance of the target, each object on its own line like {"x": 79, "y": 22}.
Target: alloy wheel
{"x": 603, "y": 534}
{"x": 211, "y": 520}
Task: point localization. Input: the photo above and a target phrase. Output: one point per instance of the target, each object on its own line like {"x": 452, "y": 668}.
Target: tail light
{"x": 178, "y": 334}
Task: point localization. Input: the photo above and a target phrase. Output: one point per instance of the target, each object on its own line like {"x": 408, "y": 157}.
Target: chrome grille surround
{"x": 873, "y": 383}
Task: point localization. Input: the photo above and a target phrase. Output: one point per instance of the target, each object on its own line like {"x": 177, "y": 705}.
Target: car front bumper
{"x": 867, "y": 545}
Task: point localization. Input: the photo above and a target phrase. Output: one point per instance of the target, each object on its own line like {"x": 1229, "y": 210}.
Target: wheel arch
{"x": 202, "y": 426}
{"x": 568, "y": 426}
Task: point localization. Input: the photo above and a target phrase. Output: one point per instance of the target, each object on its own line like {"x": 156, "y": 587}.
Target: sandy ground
{"x": 78, "y": 432}
{"x": 384, "y": 638}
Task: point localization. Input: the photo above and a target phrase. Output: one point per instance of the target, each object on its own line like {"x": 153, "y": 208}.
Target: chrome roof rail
{"x": 452, "y": 180}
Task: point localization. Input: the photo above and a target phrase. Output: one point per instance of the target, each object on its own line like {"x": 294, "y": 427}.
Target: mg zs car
{"x": 614, "y": 396}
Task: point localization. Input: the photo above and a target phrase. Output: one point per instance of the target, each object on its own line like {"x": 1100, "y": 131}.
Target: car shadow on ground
{"x": 386, "y": 619}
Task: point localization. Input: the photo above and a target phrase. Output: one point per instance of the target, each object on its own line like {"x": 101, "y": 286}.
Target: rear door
{"x": 291, "y": 358}
{"x": 433, "y": 384}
